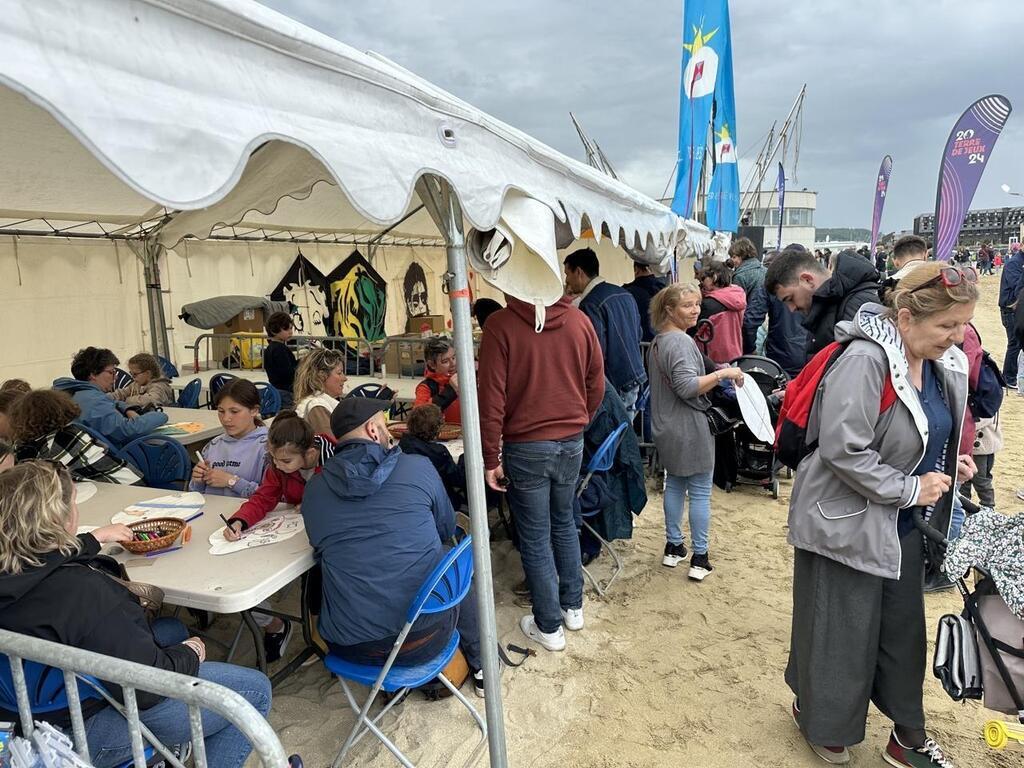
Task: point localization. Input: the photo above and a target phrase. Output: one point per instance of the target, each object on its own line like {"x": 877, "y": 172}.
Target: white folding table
{"x": 209, "y": 420}
{"x": 193, "y": 578}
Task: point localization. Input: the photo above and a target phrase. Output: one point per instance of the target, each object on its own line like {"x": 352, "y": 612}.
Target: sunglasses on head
{"x": 950, "y": 277}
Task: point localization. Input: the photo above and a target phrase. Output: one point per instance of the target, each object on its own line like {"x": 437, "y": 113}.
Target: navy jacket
{"x": 1011, "y": 279}
{"x": 376, "y": 520}
{"x": 616, "y": 319}
{"x": 786, "y": 342}
{"x": 642, "y": 289}
{"x": 106, "y": 416}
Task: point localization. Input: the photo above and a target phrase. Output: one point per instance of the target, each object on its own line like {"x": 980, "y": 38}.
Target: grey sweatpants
{"x": 982, "y": 481}
{"x": 857, "y": 638}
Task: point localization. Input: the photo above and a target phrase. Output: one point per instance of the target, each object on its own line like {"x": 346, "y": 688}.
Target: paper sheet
{"x": 278, "y": 526}
{"x": 183, "y": 506}
{"x": 84, "y": 490}
{"x": 755, "y": 412}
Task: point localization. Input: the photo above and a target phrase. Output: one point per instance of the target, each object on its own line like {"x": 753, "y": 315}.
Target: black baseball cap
{"x": 355, "y": 411}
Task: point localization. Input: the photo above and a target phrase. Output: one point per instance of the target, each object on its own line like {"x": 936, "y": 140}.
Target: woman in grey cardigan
{"x": 858, "y": 631}
{"x": 679, "y": 385}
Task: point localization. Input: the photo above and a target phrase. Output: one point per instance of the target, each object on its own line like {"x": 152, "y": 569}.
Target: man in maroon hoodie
{"x": 538, "y": 392}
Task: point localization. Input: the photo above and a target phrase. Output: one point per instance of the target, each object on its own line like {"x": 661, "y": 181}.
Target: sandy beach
{"x": 667, "y": 672}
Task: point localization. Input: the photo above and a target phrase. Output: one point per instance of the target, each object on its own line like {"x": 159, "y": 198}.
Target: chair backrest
{"x": 122, "y": 379}
{"x": 217, "y": 382}
{"x": 167, "y": 367}
{"x": 99, "y": 438}
{"x": 270, "y": 399}
{"x": 163, "y": 461}
{"x": 604, "y": 456}
{"x": 189, "y": 395}
{"x": 447, "y": 584}
{"x": 366, "y": 390}
{"x": 46, "y": 691}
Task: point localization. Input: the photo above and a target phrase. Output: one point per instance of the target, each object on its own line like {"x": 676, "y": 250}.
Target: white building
{"x": 798, "y": 216}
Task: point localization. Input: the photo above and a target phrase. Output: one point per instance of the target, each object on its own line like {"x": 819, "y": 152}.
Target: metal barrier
{"x": 342, "y": 344}
{"x": 198, "y": 694}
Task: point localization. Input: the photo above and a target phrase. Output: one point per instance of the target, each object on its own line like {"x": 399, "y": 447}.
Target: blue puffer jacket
{"x": 106, "y": 416}
{"x": 786, "y": 342}
{"x": 616, "y": 320}
{"x": 1010, "y": 281}
{"x": 376, "y": 520}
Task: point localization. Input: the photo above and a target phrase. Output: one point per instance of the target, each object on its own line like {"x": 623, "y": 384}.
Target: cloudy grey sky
{"x": 883, "y": 76}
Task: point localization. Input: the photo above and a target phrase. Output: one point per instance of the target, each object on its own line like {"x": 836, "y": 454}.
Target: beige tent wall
{"x": 73, "y": 293}
{"x": 69, "y": 294}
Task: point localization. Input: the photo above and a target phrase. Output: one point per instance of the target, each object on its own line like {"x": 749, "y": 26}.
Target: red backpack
{"x": 791, "y": 444}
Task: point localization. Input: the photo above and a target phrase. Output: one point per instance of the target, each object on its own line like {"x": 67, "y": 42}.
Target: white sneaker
{"x": 552, "y": 641}
{"x": 573, "y": 619}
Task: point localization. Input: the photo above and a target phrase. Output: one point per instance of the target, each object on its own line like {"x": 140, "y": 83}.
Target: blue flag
{"x": 723, "y": 203}
{"x": 706, "y": 55}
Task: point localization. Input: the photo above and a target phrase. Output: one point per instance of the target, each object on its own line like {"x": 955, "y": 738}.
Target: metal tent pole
{"x": 444, "y": 208}
{"x": 155, "y": 299}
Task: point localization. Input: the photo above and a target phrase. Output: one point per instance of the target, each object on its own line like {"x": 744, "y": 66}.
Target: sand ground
{"x": 667, "y": 672}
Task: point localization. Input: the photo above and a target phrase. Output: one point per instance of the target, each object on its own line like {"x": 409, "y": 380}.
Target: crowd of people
{"x": 380, "y": 515}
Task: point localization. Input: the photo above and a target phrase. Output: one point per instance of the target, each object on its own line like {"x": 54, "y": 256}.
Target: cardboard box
{"x": 404, "y": 355}
{"x": 247, "y": 321}
{"x": 426, "y": 324}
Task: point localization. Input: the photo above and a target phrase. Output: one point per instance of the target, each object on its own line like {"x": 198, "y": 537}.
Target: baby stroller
{"x": 979, "y": 654}
{"x": 740, "y": 458}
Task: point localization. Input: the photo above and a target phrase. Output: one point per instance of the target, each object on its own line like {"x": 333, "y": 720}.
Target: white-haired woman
{"x": 886, "y": 419}
{"x": 679, "y": 386}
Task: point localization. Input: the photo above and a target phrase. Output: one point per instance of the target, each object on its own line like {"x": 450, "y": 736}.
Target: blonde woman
{"x": 858, "y": 633}
{"x": 83, "y": 607}
{"x": 319, "y": 384}
{"x": 679, "y": 387}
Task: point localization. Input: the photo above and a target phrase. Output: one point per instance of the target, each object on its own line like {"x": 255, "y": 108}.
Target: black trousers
{"x": 857, "y": 638}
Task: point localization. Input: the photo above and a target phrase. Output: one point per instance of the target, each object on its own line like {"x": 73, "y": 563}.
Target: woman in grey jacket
{"x": 679, "y": 386}
{"x": 858, "y": 610}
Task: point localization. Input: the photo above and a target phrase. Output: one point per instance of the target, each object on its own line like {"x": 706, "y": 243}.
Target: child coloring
{"x": 233, "y": 463}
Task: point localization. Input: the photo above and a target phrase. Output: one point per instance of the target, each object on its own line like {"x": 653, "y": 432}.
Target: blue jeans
{"x": 957, "y": 517}
{"x": 699, "y": 489}
{"x": 1012, "y": 347}
{"x": 542, "y": 482}
{"x": 168, "y": 631}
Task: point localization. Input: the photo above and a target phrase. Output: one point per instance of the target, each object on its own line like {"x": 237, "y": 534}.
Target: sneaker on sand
{"x": 573, "y": 619}
{"x": 674, "y": 554}
{"x": 275, "y": 643}
{"x": 831, "y": 755}
{"x": 521, "y": 589}
{"x": 478, "y": 683}
{"x": 700, "y": 567}
{"x": 552, "y": 641}
{"x": 927, "y": 756}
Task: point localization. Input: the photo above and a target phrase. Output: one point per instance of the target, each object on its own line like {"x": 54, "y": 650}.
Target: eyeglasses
{"x": 950, "y": 277}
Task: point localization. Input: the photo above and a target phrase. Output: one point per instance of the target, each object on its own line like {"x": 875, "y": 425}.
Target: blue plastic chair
{"x": 373, "y": 391}
{"x": 443, "y": 589}
{"x": 602, "y": 460}
{"x": 99, "y": 438}
{"x": 167, "y": 367}
{"x": 189, "y": 395}
{"x": 122, "y": 379}
{"x": 47, "y": 692}
{"x": 270, "y": 400}
{"x": 217, "y": 382}
{"x": 163, "y": 461}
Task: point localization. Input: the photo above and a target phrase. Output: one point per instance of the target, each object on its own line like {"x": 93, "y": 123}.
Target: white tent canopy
{"x": 154, "y": 120}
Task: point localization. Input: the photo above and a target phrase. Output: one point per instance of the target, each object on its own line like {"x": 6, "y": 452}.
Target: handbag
{"x": 957, "y": 664}
{"x": 151, "y": 598}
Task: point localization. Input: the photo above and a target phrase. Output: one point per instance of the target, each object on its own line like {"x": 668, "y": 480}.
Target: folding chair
{"x": 189, "y": 395}
{"x": 47, "y": 692}
{"x": 270, "y": 400}
{"x": 378, "y": 392}
{"x": 217, "y": 382}
{"x": 163, "y": 461}
{"x": 444, "y": 589}
{"x": 602, "y": 461}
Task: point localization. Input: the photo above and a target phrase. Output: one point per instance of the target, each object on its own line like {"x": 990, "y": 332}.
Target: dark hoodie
{"x": 537, "y": 386}
{"x": 643, "y": 289}
{"x": 65, "y": 601}
{"x": 376, "y": 520}
{"x": 854, "y": 282}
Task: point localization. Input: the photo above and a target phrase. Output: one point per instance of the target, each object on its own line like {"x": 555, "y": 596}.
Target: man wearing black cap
{"x": 376, "y": 518}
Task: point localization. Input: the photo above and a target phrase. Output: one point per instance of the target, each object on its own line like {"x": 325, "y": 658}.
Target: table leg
{"x": 257, "y": 640}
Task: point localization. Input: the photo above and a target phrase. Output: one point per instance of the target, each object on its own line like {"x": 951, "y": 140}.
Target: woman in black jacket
{"x": 49, "y": 590}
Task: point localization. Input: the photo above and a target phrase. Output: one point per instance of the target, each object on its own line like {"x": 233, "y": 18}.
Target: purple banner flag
{"x": 780, "y": 189}
{"x": 967, "y": 152}
{"x": 881, "y": 187}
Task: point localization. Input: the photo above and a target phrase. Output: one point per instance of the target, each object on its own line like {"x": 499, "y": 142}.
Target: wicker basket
{"x": 167, "y": 528}
{"x": 448, "y": 431}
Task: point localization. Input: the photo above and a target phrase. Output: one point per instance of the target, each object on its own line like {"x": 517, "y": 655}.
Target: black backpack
{"x": 986, "y": 398}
